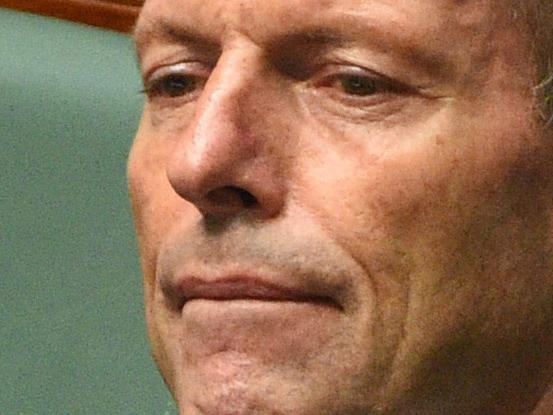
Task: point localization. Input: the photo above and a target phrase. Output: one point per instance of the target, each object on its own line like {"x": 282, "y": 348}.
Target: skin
{"x": 418, "y": 204}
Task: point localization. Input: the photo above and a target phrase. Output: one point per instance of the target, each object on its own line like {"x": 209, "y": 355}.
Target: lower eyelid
{"x": 356, "y": 109}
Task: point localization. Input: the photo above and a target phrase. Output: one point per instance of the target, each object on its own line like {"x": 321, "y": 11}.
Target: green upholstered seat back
{"x": 72, "y": 337}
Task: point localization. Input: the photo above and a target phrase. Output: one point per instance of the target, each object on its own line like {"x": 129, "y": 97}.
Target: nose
{"x": 226, "y": 162}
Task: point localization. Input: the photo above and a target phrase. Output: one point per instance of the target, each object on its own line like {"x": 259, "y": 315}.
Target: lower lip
{"x": 252, "y": 308}
{"x": 258, "y": 326}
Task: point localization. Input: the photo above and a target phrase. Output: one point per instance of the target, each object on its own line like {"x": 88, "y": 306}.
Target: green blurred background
{"x": 72, "y": 336}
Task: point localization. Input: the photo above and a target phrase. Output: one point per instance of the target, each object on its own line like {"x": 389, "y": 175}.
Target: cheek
{"x": 383, "y": 204}
{"x": 406, "y": 210}
{"x": 156, "y": 209}
{"x": 142, "y": 181}
{"x": 156, "y": 206}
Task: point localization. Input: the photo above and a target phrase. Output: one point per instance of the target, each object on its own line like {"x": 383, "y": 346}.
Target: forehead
{"x": 262, "y": 20}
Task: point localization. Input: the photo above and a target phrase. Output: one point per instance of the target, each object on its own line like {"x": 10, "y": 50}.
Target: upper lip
{"x": 235, "y": 287}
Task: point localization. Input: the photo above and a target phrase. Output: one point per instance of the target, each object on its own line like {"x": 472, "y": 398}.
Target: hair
{"x": 538, "y": 20}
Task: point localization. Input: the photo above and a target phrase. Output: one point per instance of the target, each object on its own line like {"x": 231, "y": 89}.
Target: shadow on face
{"x": 343, "y": 207}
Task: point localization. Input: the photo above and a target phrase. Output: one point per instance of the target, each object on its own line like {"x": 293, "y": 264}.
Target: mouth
{"x": 250, "y": 316}
{"x": 247, "y": 288}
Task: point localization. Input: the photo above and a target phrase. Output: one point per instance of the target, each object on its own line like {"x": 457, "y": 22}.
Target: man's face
{"x": 343, "y": 206}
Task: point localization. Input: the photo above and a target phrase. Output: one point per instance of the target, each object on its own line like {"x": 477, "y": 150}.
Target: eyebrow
{"x": 162, "y": 31}
{"x": 165, "y": 31}
{"x": 304, "y": 41}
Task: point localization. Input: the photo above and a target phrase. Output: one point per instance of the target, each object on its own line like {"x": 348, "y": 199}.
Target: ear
{"x": 544, "y": 95}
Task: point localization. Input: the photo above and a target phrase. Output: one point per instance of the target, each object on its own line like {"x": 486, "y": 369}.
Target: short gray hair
{"x": 538, "y": 16}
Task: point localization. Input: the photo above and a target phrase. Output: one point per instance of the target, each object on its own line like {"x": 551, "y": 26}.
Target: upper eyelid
{"x": 338, "y": 70}
{"x": 348, "y": 70}
{"x": 308, "y": 67}
{"x": 321, "y": 68}
{"x": 191, "y": 68}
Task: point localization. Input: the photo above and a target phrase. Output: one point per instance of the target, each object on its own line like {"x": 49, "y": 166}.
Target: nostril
{"x": 248, "y": 200}
{"x": 232, "y": 196}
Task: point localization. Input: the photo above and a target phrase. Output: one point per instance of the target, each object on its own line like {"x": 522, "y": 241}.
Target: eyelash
{"x": 172, "y": 86}
{"x": 355, "y": 85}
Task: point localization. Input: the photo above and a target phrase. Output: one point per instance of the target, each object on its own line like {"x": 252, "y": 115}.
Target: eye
{"x": 174, "y": 82}
{"x": 175, "y": 85}
{"x": 358, "y": 85}
{"x": 354, "y": 83}
{"x": 172, "y": 86}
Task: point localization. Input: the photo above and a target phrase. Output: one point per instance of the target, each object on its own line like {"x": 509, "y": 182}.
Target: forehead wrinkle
{"x": 249, "y": 17}
{"x": 384, "y": 27}
{"x": 381, "y": 24}
{"x": 320, "y": 28}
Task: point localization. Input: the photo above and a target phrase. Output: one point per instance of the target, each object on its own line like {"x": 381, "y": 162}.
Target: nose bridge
{"x": 219, "y": 132}
{"x": 223, "y": 147}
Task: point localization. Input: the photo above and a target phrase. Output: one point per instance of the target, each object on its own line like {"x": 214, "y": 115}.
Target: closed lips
{"x": 245, "y": 288}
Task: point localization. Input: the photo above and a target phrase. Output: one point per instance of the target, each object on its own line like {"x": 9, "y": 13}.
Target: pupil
{"x": 177, "y": 85}
{"x": 357, "y": 85}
